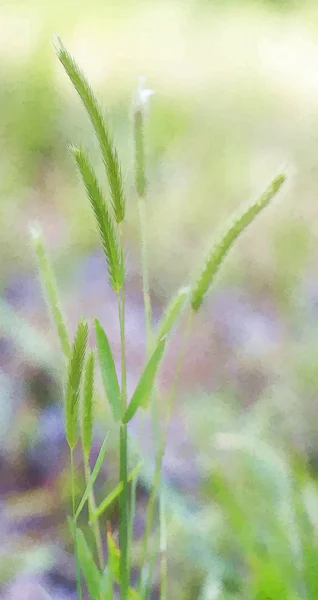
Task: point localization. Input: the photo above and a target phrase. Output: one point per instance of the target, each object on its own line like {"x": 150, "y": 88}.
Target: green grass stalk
{"x": 123, "y": 501}
{"x": 145, "y": 272}
{"x": 157, "y": 475}
{"x": 92, "y": 509}
{"x": 141, "y": 187}
{"x": 77, "y": 567}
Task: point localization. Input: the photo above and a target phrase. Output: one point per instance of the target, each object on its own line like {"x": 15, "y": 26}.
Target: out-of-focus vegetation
{"x": 236, "y": 101}
{"x": 235, "y": 98}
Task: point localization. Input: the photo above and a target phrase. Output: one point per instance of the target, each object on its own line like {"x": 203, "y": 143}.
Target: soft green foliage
{"x": 142, "y": 392}
{"x": 50, "y": 290}
{"x": 108, "y": 150}
{"x": 231, "y": 233}
{"x": 89, "y": 486}
{"x": 267, "y": 527}
{"x": 73, "y": 386}
{"x": 105, "y": 222}
{"x": 108, "y": 371}
{"x": 91, "y": 574}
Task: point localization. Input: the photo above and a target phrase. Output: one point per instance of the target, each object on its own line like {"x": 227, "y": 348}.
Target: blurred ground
{"x": 236, "y": 102}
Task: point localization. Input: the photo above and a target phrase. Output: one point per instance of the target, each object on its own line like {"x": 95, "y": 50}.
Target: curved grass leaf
{"x": 143, "y": 390}
{"x": 92, "y": 478}
{"x": 87, "y": 407}
{"x": 91, "y": 573}
{"x": 113, "y": 495}
{"x": 50, "y": 290}
{"x": 221, "y": 248}
{"x": 108, "y": 371}
{"x": 74, "y": 376}
{"x": 106, "y": 225}
{"x": 172, "y": 313}
{"x": 109, "y": 153}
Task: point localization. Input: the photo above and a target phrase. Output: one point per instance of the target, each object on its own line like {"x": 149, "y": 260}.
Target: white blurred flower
{"x": 143, "y": 94}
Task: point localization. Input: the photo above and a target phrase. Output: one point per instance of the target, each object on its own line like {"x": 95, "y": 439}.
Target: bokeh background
{"x": 236, "y": 102}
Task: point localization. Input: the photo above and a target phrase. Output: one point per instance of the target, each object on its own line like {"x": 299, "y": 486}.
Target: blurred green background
{"x": 236, "y": 102}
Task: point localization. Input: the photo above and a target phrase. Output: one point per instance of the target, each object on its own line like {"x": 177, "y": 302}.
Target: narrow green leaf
{"x": 113, "y": 556}
{"x": 73, "y": 531}
{"x": 143, "y": 390}
{"x": 87, "y": 405}
{"x": 93, "y": 477}
{"x": 74, "y": 376}
{"x": 106, "y": 585}
{"x": 108, "y": 150}
{"x": 113, "y": 495}
{"x": 114, "y": 563}
{"x": 50, "y": 290}
{"x": 172, "y": 313}
{"x": 91, "y": 573}
{"x": 232, "y": 231}
{"x": 106, "y": 225}
{"x": 108, "y": 371}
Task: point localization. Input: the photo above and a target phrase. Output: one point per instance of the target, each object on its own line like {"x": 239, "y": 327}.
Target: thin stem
{"x": 147, "y": 577}
{"x": 92, "y": 509}
{"x": 77, "y": 566}
{"x": 160, "y": 455}
{"x": 148, "y": 318}
{"x": 145, "y": 272}
{"x": 123, "y": 501}
{"x": 163, "y": 550}
{"x": 132, "y": 518}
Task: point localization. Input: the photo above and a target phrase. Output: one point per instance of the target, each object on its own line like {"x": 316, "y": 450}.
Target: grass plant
{"x": 108, "y": 203}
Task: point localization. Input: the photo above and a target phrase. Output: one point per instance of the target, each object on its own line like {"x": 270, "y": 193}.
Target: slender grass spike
{"x": 50, "y": 290}
{"x": 108, "y": 150}
{"x": 74, "y": 377}
{"x": 231, "y": 233}
{"x": 106, "y": 224}
{"x": 87, "y": 405}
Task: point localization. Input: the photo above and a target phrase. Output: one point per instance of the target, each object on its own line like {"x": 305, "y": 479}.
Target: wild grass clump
{"x": 99, "y": 576}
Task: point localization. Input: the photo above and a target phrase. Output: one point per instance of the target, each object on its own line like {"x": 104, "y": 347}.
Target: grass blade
{"x": 108, "y": 150}
{"x": 172, "y": 313}
{"x": 113, "y": 495}
{"x": 231, "y": 233}
{"x": 106, "y": 585}
{"x": 87, "y": 407}
{"x": 106, "y": 225}
{"x": 142, "y": 392}
{"x": 91, "y": 573}
{"x": 92, "y": 479}
{"x": 50, "y": 290}
{"x": 74, "y": 376}
{"x": 108, "y": 371}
